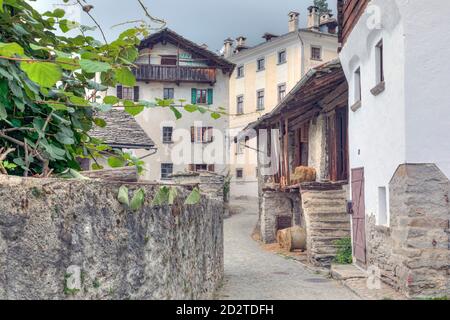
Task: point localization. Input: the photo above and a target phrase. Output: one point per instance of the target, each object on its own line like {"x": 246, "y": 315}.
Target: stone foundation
{"x": 72, "y": 239}
{"x": 273, "y": 205}
{"x": 413, "y": 253}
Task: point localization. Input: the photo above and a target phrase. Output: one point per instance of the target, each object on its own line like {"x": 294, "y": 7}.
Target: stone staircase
{"x": 326, "y": 218}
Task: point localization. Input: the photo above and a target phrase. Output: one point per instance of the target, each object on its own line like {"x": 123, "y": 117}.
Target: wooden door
{"x": 359, "y": 216}
{"x": 342, "y": 144}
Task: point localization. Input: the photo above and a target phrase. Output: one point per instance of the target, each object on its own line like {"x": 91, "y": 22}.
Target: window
{"x": 261, "y": 64}
{"x": 128, "y": 93}
{"x": 281, "y": 92}
{"x": 316, "y": 53}
{"x": 166, "y": 171}
{"x": 167, "y": 134}
{"x": 379, "y": 62}
{"x": 240, "y": 105}
{"x": 202, "y": 96}
{"x": 240, "y": 71}
{"x": 201, "y": 167}
{"x": 202, "y": 134}
{"x": 239, "y": 173}
{"x": 357, "y": 80}
{"x": 169, "y": 60}
{"x": 240, "y": 147}
{"x": 169, "y": 93}
{"x": 382, "y": 206}
{"x": 260, "y": 100}
{"x": 281, "y": 56}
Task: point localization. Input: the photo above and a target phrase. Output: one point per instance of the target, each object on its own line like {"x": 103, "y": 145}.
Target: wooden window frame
{"x": 172, "y": 58}
{"x": 260, "y": 100}
{"x": 128, "y": 93}
{"x": 167, "y": 135}
{"x": 240, "y": 104}
{"x": 239, "y": 173}
{"x": 202, "y": 96}
{"x": 166, "y": 167}
{"x": 240, "y": 72}
{"x": 261, "y": 64}
{"x": 166, "y": 93}
{"x": 282, "y": 53}
{"x": 202, "y": 135}
{"x": 357, "y": 85}
{"x": 281, "y": 94}
{"x": 313, "y": 57}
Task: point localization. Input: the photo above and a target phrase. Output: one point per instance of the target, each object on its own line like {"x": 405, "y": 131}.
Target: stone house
{"x": 172, "y": 67}
{"x": 307, "y": 128}
{"x": 392, "y": 55}
{"x": 264, "y": 74}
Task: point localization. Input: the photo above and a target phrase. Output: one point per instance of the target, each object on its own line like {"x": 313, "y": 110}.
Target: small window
{"x": 202, "y": 134}
{"x": 316, "y": 53}
{"x": 167, "y": 135}
{"x": 169, "y": 60}
{"x": 128, "y": 93}
{"x": 166, "y": 171}
{"x": 240, "y": 105}
{"x": 240, "y": 147}
{"x": 380, "y": 62}
{"x": 260, "y": 100}
{"x": 240, "y": 71}
{"x": 282, "y": 57}
{"x": 261, "y": 64}
{"x": 382, "y": 206}
{"x": 281, "y": 92}
{"x": 239, "y": 173}
{"x": 357, "y": 84}
{"x": 202, "y": 96}
{"x": 169, "y": 93}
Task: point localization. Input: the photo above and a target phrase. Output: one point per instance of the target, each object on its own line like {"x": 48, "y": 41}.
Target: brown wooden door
{"x": 359, "y": 216}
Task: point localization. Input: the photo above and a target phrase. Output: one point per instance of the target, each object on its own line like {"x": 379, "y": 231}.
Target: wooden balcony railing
{"x": 150, "y": 72}
{"x": 349, "y": 12}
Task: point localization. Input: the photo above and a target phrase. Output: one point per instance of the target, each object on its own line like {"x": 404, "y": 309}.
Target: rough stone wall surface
{"x": 277, "y": 204}
{"x": 63, "y": 239}
{"x": 317, "y": 154}
{"x": 413, "y": 253}
{"x": 326, "y": 220}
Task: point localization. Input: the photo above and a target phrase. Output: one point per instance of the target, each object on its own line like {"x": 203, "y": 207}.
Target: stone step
{"x": 330, "y": 225}
{"x": 323, "y": 204}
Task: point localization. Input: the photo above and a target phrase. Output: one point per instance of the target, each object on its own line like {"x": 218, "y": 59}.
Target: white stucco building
{"x": 394, "y": 56}
{"x": 264, "y": 75}
{"x": 172, "y": 67}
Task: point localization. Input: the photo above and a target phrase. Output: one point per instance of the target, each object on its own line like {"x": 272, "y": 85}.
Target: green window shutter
{"x": 194, "y": 96}
{"x": 210, "y": 96}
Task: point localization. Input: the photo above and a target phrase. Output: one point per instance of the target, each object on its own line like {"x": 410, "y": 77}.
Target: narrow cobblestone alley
{"x": 252, "y": 273}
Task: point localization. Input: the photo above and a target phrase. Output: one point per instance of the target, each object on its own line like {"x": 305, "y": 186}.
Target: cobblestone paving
{"x": 254, "y": 274}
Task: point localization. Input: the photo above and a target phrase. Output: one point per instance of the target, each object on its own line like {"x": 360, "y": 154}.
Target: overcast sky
{"x": 202, "y": 21}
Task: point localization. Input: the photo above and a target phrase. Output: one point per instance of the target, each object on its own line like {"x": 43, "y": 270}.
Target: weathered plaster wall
{"x": 55, "y": 233}
{"x": 413, "y": 253}
{"x": 317, "y": 147}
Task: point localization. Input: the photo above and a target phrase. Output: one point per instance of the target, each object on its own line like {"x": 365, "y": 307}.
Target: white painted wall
{"x": 409, "y": 121}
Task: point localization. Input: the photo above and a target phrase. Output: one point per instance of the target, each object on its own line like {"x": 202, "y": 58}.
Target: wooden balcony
{"x": 177, "y": 74}
{"x": 349, "y": 12}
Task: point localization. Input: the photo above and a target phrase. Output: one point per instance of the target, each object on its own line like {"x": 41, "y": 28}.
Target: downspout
{"x": 302, "y": 62}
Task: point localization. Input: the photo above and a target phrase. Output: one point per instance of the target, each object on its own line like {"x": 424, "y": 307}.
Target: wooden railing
{"x": 150, "y": 72}
{"x": 349, "y": 12}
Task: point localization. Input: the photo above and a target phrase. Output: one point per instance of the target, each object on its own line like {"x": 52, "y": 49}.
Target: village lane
{"x": 254, "y": 274}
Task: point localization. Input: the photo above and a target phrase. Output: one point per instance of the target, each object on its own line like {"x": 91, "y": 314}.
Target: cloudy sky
{"x": 202, "y": 21}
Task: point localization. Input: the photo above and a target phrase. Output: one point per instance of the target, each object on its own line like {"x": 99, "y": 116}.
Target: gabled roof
{"x": 170, "y": 36}
{"x": 122, "y": 131}
{"x": 311, "y": 89}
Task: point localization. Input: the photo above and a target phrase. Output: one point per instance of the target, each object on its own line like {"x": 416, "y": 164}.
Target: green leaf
{"x": 138, "y": 200}
{"x": 190, "y": 108}
{"x": 91, "y": 66}
{"x": 193, "y": 198}
{"x": 68, "y": 64}
{"x": 161, "y": 197}
{"x": 3, "y": 113}
{"x": 125, "y": 77}
{"x": 96, "y": 166}
{"x": 112, "y": 100}
{"x": 177, "y": 113}
{"x": 45, "y": 74}
{"x": 123, "y": 196}
{"x": 1, "y": 5}
{"x": 115, "y": 162}
{"x": 173, "y": 193}
{"x": 10, "y": 49}
{"x": 58, "y": 13}
{"x": 133, "y": 109}
{"x": 215, "y": 115}
{"x": 78, "y": 101}
{"x": 100, "y": 122}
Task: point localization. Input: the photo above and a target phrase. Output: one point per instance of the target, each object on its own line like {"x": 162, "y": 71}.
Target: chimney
{"x": 313, "y": 18}
{"x": 293, "y": 21}
{"x": 204, "y": 46}
{"x": 269, "y": 36}
{"x": 241, "y": 44}
{"x": 228, "y": 47}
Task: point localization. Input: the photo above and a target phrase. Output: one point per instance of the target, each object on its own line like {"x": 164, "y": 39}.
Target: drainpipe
{"x": 302, "y": 62}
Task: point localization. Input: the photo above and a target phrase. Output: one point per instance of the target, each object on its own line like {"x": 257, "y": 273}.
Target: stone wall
{"x": 275, "y": 204}
{"x": 317, "y": 153}
{"x": 63, "y": 239}
{"x": 413, "y": 253}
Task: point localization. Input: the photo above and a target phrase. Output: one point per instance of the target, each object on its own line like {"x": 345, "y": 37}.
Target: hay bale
{"x": 304, "y": 174}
